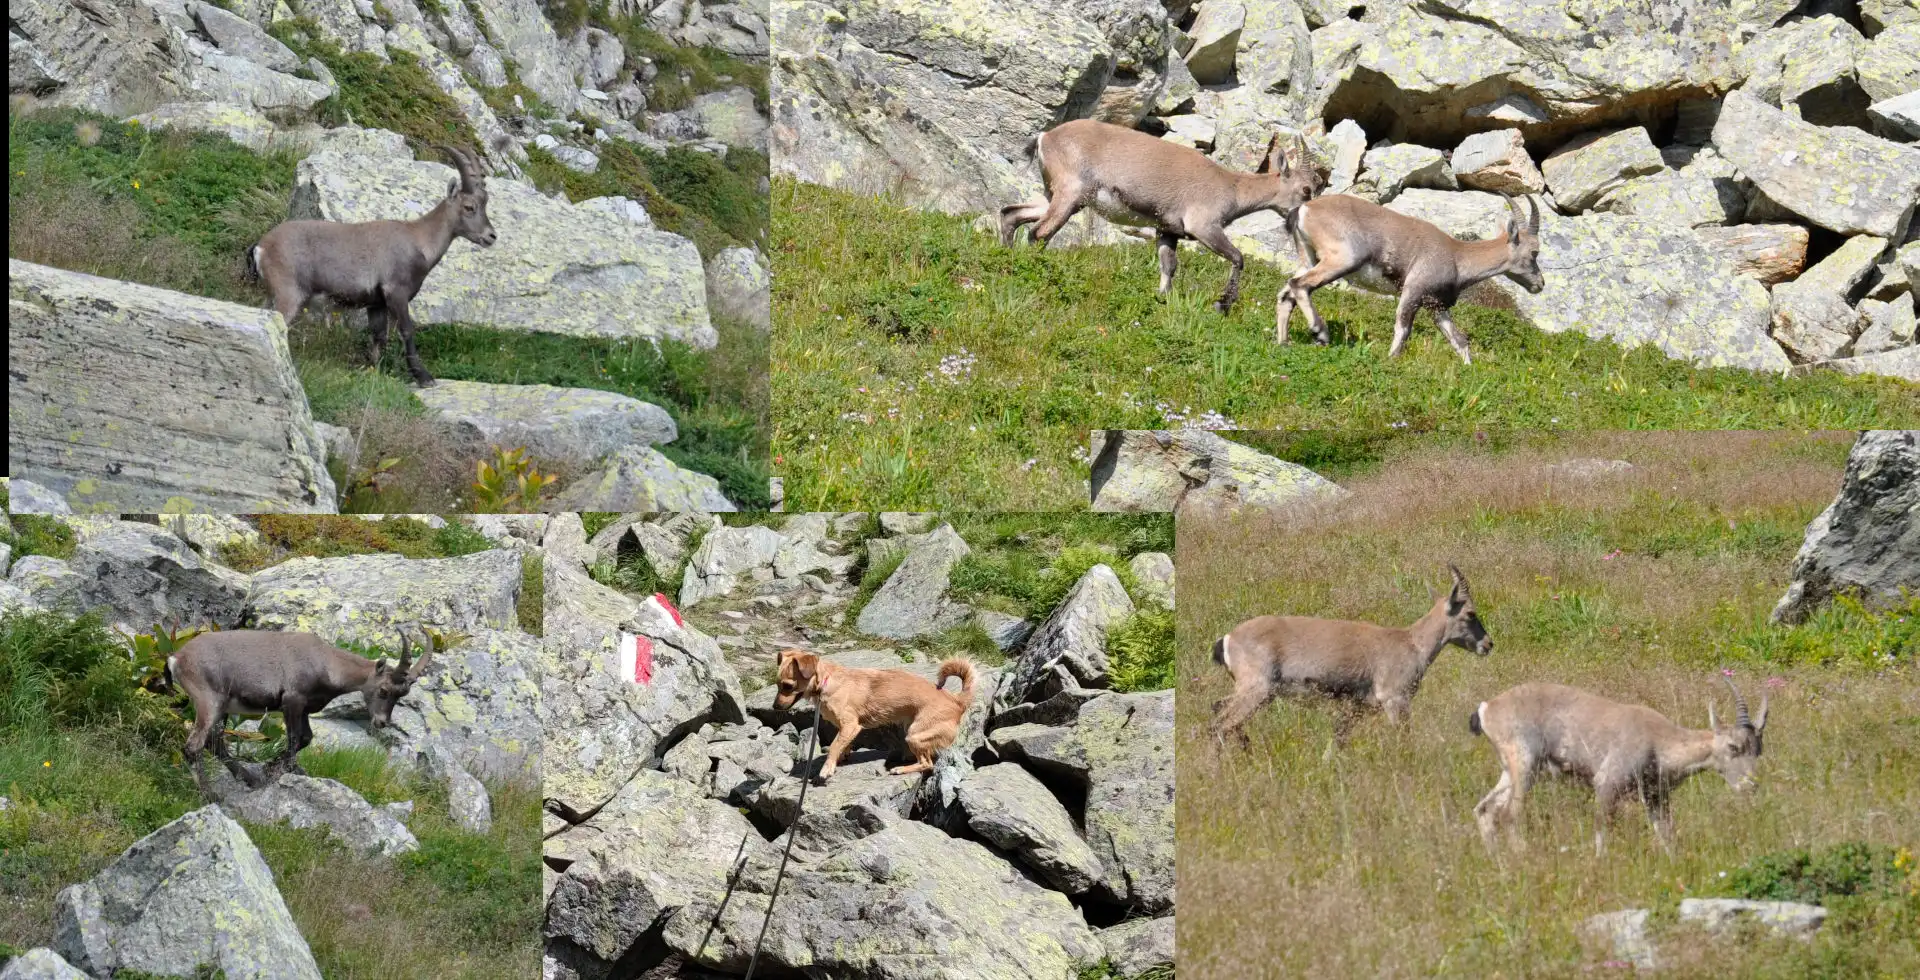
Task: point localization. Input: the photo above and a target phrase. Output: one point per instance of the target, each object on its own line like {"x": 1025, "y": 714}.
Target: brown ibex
{"x": 1132, "y": 178}
{"x": 296, "y": 674}
{"x": 1430, "y": 267}
{"x": 375, "y": 265}
{"x": 1617, "y": 748}
{"x": 1379, "y": 665}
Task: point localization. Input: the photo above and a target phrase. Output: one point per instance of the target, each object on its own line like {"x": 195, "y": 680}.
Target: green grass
{"x": 533, "y": 594}
{"x": 1641, "y": 587}
{"x": 1140, "y": 651}
{"x": 396, "y": 93}
{"x": 38, "y": 534}
{"x": 284, "y": 536}
{"x": 716, "y": 203}
{"x": 872, "y": 296}
{"x": 684, "y": 72}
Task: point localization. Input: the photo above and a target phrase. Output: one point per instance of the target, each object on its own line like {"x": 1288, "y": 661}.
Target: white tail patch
{"x": 1040, "y": 150}
{"x": 1481, "y": 713}
{"x": 1226, "y": 651}
{"x": 173, "y": 664}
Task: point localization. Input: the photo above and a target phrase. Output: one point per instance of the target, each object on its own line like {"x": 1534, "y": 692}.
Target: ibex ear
{"x": 1272, "y": 161}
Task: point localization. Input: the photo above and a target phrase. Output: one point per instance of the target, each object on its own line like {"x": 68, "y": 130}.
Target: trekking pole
{"x": 793, "y": 831}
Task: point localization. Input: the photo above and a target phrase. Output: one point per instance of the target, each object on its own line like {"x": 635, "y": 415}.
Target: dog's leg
{"x": 925, "y": 740}
{"x": 841, "y": 742}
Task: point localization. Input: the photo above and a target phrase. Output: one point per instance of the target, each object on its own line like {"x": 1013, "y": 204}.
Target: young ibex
{"x": 1358, "y": 661}
{"x": 296, "y": 674}
{"x": 1428, "y": 266}
{"x": 1617, "y": 748}
{"x": 1134, "y": 179}
{"x": 375, "y": 265}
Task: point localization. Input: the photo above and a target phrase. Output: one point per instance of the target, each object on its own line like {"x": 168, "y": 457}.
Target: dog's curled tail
{"x": 962, "y": 668}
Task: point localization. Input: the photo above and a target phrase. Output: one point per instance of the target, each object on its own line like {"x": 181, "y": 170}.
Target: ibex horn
{"x": 1533, "y": 223}
{"x": 1739, "y": 705}
{"x": 406, "y": 653}
{"x": 463, "y": 162}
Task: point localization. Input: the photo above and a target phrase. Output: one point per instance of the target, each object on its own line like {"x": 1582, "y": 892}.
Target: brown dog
{"x": 854, "y": 698}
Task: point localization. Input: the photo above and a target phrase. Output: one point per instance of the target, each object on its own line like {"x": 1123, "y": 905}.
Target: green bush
{"x": 397, "y": 94}
{"x": 1140, "y": 651}
{"x": 60, "y": 671}
{"x": 1844, "y": 631}
{"x": 1851, "y": 868}
{"x": 715, "y": 203}
{"x": 38, "y": 534}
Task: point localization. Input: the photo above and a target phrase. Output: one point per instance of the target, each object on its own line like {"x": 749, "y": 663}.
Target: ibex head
{"x": 468, "y": 194}
{"x": 1464, "y": 629}
{"x": 388, "y": 685}
{"x": 1736, "y": 747}
{"x": 1295, "y": 181}
{"x": 1523, "y": 246}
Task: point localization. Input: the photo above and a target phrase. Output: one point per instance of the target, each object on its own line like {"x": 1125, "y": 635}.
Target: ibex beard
{"x": 856, "y": 698}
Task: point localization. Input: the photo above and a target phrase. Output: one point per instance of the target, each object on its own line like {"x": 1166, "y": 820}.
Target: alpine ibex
{"x": 1431, "y": 268}
{"x": 375, "y": 265}
{"x": 1359, "y": 661}
{"x": 1617, "y": 748}
{"x": 296, "y": 674}
{"x": 1132, "y": 178}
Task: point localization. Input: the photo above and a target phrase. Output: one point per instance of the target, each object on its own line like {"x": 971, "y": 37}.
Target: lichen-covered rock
{"x": 1897, "y": 118}
{"x": 1014, "y": 812}
{"x": 1390, "y": 169}
{"x": 1846, "y": 268}
{"x": 724, "y": 555}
{"x": 365, "y": 598}
{"x": 1121, "y": 748}
{"x": 575, "y": 271}
{"x": 193, "y": 893}
{"x": 1349, "y": 149}
{"x": 28, "y": 497}
{"x": 913, "y": 600}
{"x": 731, "y": 117}
{"x": 1889, "y": 65}
{"x": 1624, "y": 933}
{"x": 468, "y": 802}
{"x": 519, "y": 28}
{"x": 303, "y": 801}
{"x": 146, "y": 578}
{"x": 230, "y": 431}
{"x": 1139, "y": 945}
{"x": 1725, "y": 915}
{"x": 1216, "y": 41}
{"x": 1153, "y": 573}
{"x": 838, "y": 811}
{"x": 1901, "y": 362}
{"x": 1890, "y": 325}
{"x": 1168, "y": 470}
{"x": 478, "y": 705}
{"x": 906, "y": 903}
{"x": 242, "y": 124}
{"x": 1069, "y": 650}
{"x": 1768, "y": 253}
{"x": 1497, "y": 161}
{"x": 1276, "y": 51}
{"x": 496, "y": 145}
{"x": 1677, "y": 200}
{"x": 1585, "y": 169}
{"x": 41, "y": 964}
{"x": 239, "y": 37}
{"x": 208, "y": 533}
{"x": 48, "y": 583}
{"x": 1868, "y": 539}
{"x": 639, "y": 478}
{"x": 739, "y": 286}
{"x": 1814, "y": 323}
{"x": 572, "y": 427}
{"x": 1836, "y": 177}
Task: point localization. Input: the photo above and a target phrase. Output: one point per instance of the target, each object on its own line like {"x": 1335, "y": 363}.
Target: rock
{"x": 903, "y": 523}
{"x": 581, "y": 272}
{"x": 837, "y": 811}
{"x": 1121, "y": 748}
{"x": 231, "y": 433}
{"x": 195, "y": 892}
{"x": 1814, "y": 323}
{"x": 1796, "y": 919}
{"x": 566, "y": 540}
{"x": 208, "y": 533}
{"x": 6, "y": 558}
{"x": 363, "y": 598}
{"x": 724, "y": 555}
{"x": 334, "y": 734}
{"x": 40, "y": 964}
{"x": 1902, "y": 363}
{"x": 523, "y": 35}
{"x": 239, "y": 37}
{"x": 731, "y": 117}
{"x": 595, "y": 57}
{"x": 1139, "y": 945}
{"x": 1011, "y": 810}
{"x": 477, "y": 707}
{"x": 577, "y": 159}
{"x": 1389, "y": 169}
{"x": 1677, "y": 200}
{"x": 1497, "y": 161}
{"x": 625, "y": 208}
{"x": 739, "y": 286}
{"x": 1868, "y": 539}
{"x": 1585, "y": 169}
{"x": 1815, "y": 80}
{"x": 913, "y": 601}
{"x": 1897, "y": 118}
{"x": 906, "y": 901}
{"x": 640, "y": 478}
{"x": 510, "y": 530}
{"x": 1624, "y": 933}
{"x": 27, "y": 497}
{"x": 1845, "y": 270}
{"x": 1069, "y": 650}
{"x": 12, "y": 598}
{"x": 600, "y": 726}
{"x": 1153, "y": 574}
{"x": 302, "y": 801}
{"x": 663, "y": 546}
{"x": 731, "y": 762}
{"x": 1006, "y": 631}
{"x": 1276, "y": 51}
{"x": 145, "y": 578}
{"x": 1626, "y": 278}
{"x": 242, "y": 124}
{"x": 1768, "y": 253}
{"x": 1878, "y": 15}
{"x": 1890, "y": 325}
{"x": 1216, "y": 41}
{"x": 1350, "y": 148}
{"x": 48, "y": 583}
{"x": 1836, "y": 177}
{"x": 568, "y": 427}
{"x": 468, "y": 802}
{"x": 1142, "y": 470}
{"x": 1889, "y": 65}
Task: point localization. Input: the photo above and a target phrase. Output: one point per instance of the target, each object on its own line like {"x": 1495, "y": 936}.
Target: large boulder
{"x": 739, "y": 286}
{"x": 1139, "y": 945}
{"x": 303, "y": 801}
{"x": 913, "y": 600}
{"x": 1121, "y": 749}
{"x": 41, "y": 964}
{"x": 1836, "y": 177}
{"x": 28, "y": 497}
{"x": 193, "y": 893}
{"x": 367, "y": 598}
{"x": 1069, "y": 650}
{"x": 906, "y": 903}
{"x": 640, "y": 478}
{"x": 1889, "y": 65}
{"x": 1677, "y": 200}
{"x": 572, "y": 427}
{"x": 837, "y": 811}
{"x": 230, "y": 430}
{"x": 1814, "y": 323}
{"x": 521, "y": 31}
{"x": 1626, "y": 278}
{"x": 1497, "y": 161}
{"x": 1897, "y": 118}
{"x": 1585, "y": 169}
{"x": 575, "y": 271}
{"x": 47, "y": 583}
{"x": 1769, "y": 254}
{"x": 1169, "y": 470}
{"x": 731, "y": 117}
{"x": 1153, "y": 574}
{"x": 146, "y": 578}
{"x": 478, "y": 705}
{"x": 1868, "y": 539}
{"x": 725, "y": 554}
{"x": 1016, "y": 813}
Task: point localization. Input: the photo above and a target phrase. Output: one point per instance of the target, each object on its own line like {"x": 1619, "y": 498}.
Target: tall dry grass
{"x": 1300, "y": 857}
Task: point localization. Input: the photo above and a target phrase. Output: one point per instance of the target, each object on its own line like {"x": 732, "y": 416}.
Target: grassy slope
{"x": 178, "y": 210}
{"x": 872, "y": 297}
{"x": 1638, "y": 588}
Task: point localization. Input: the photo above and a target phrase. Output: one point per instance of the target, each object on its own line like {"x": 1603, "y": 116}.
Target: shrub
{"x": 1140, "y": 651}
{"x": 397, "y": 94}
{"x": 1802, "y": 875}
{"x": 57, "y": 670}
{"x": 38, "y": 534}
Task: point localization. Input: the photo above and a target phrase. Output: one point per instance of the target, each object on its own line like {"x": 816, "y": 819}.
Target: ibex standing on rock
{"x": 1431, "y": 268}
{"x": 296, "y": 674}
{"x": 1132, "y": 178}
{"x": 375, "y": 265}
{"x": 1617, "y": 748}
{"x": 1379, "y": 665}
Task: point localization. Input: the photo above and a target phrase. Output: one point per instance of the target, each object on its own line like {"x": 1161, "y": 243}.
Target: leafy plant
{"x": 1140, "y": 651}
{"x": 509, "y": 484}
{"x": 1804, "y": 875}
{"x": 151, "y": 650}
{"x": 367, "y": 483}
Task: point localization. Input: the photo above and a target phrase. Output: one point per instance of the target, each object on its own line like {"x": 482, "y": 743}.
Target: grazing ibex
{"x": 1617, "y": 748}
{"x": 1430, "y": 267}
{"x": 296, "y": 674}
{"x": 375, "y": 265}
{"x": 1359, "y": 661}
{"x": 1132, "y": 178}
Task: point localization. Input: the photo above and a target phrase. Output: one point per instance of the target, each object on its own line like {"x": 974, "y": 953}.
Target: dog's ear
{"x": 803, "y": 667}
